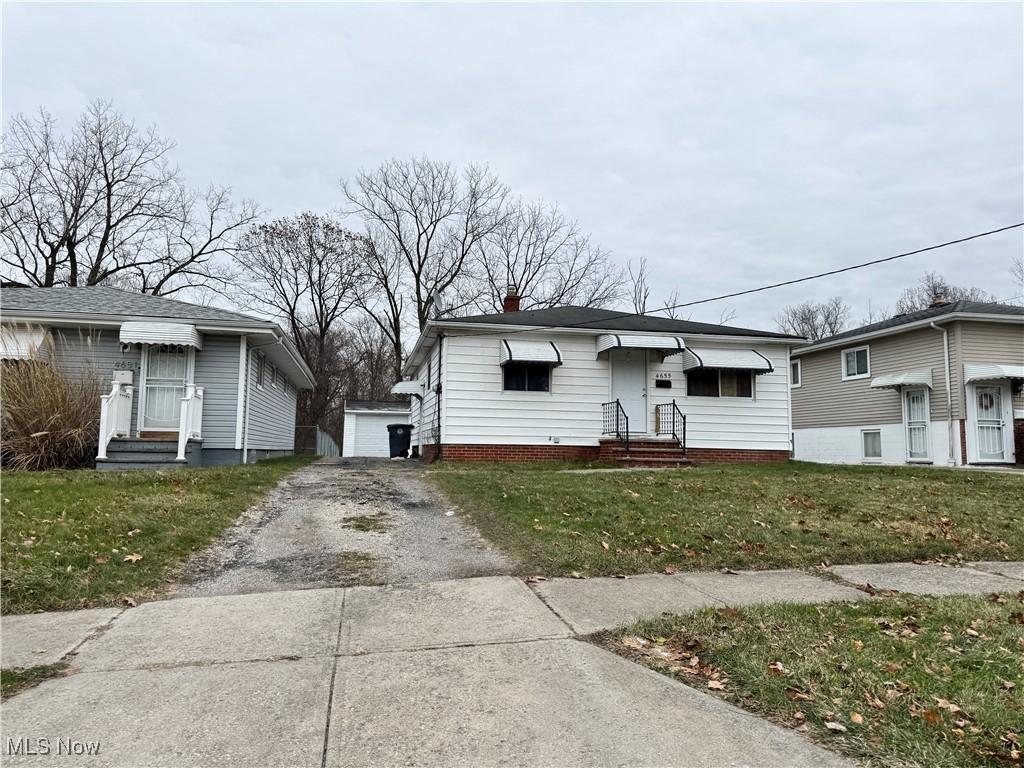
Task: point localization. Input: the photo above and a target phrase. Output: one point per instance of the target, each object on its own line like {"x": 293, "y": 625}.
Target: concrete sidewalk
{"x": 477, "y": 671}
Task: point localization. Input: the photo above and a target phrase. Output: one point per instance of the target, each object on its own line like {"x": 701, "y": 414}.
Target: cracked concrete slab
{"x": 589, "y": 605}
{"x": 218, "y": 629}
{"x": 547, "y": 703}
{"x": 484, "y": 610}
{"x": 1012, "y": 570}
{"x": 32, "y": 639}
{"x": 925, "y": 579}
{"x": 780, "y": 586}
{"x": 244, "y": 714}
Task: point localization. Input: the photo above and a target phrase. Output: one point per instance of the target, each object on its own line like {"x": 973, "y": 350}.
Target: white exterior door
{"x": 629, "y": 385}
{"x": 166, "y": 374}
{"x": 988, "y": 404}
{"x": 915, "y": 416}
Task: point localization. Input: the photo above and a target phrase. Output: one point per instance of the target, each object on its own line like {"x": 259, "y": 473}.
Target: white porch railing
{"x": 190, "y": 425}
{"x": 115, "y": 416}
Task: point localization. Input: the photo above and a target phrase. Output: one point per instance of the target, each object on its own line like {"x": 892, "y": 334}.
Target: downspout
{"x": 438, "y": 391}
{"x": 949, "y": 393}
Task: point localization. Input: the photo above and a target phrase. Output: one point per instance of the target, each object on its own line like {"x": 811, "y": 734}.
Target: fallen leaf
{"x": 636, "y": 643}
{"x": 799, "y": 716}
{"x": 1008, "y": 685}
{"x": 794, "y": 695}
{"x": 776, "y": 668}
{"x": 832, "y": 725}
{"x": 669, "y": 570}
{"x": 932, "y": 716}
{"x": 130, "y": 602}
{"x": 716, "y": 685}
{"x": 604, "y": 545}
{"x": 134, "y": 557}
{"x": 856, "y": 717}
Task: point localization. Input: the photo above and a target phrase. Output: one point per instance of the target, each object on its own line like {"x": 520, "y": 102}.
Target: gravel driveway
{"x": 342, "y": 522}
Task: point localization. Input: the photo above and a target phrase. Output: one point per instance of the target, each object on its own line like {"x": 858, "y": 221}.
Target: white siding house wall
{"x": 478, "y": 411}
{"x": 758, "y": 423}
{"x": 843, "y": 445}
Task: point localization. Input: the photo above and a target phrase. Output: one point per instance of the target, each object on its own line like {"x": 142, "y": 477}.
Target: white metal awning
{"x": 408, "y": 388}
{"x": 906, "y": 379}
{"x": 670, "y": 345}
{"x": 144, "y": 332}
{"x": 740, "y": 359}
{"x": 23, "y": 343}
{"x": 522, "y": 351}
{"x": 990, "y": 371}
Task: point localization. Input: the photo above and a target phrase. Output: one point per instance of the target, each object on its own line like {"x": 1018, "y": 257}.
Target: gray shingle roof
{"x": 610, "y": 320}
{"x": 930, "y": 313}
{"x": 113, "y": 302}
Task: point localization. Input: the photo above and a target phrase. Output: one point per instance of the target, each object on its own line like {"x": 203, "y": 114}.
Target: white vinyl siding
{"x": 757, "y": 423}
{"x": 366, "y": 434}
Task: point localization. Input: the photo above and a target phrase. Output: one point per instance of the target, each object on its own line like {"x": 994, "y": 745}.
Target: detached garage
{"x": 366, "y": 426}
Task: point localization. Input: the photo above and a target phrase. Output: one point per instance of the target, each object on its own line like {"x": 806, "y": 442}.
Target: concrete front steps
{"x": 149, "y": 453}
{"x": 644, "y": 452}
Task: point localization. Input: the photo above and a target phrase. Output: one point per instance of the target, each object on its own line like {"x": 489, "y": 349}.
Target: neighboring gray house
{"x": 185, "y": 384}
{"x": 939, "y": 386}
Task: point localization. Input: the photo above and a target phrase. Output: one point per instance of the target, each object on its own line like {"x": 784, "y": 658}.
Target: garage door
{"x": 371, "y": 433}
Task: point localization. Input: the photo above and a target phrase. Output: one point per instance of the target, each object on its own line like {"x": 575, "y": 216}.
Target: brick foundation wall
{"x": 457, "y": 452}
{"x": 1018, "y": 439}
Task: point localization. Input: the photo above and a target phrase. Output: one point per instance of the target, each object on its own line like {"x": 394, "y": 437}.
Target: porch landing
{"x": 149, "y": 453}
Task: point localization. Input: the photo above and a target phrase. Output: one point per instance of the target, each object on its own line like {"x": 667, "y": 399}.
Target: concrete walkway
{"x": 482, "y": 671}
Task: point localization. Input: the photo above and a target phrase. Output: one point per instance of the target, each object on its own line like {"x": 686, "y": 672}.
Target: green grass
{"x": 14, "y": 681}
{"x": 70, "y": 538}
{"x": 737, "y": 516}
{"x": 914, "y": 681}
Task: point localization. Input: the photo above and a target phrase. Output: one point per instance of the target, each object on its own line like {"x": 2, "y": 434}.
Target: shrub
{"x": 50, "y": 417}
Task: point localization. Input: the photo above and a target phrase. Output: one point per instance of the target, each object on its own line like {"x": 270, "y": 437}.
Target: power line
{"x": 862, "y": 265}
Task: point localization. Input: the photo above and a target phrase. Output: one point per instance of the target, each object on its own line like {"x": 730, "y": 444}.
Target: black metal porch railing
{"x": 669, "y": 420}
{"x": 616, "y": 422}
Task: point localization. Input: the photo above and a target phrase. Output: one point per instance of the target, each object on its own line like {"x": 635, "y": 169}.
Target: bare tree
{"x": 640, "y": 290}
{"x": 1017, "y": 273}
{"x": 431, "y": 216}
{"x": 104, "y": 205}
{"x": 382, "y": 296}
{"x": 305, "y": 271}
{"x": 933, "y": 288}
{"x": 541, "y": 252}
{"x": 814, "y": 320}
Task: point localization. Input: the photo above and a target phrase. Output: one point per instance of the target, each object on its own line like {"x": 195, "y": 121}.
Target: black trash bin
{"x": 399, "y": 436}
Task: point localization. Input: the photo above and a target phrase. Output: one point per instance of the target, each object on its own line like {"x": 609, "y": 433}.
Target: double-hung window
{"x": 856, "y": 363}
{"x": 794, "y": 373}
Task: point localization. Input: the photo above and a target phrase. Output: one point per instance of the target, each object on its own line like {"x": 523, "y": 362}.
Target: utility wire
{"x": 862, "y": 265}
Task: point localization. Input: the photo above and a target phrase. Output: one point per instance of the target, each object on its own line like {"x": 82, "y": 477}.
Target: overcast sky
{"x": 732, "y": 145}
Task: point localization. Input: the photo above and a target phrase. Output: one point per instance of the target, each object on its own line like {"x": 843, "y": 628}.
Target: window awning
{"x": 408, "y": 388}
{"x": 139, "y": 332}
{"x": 907, "y": 379}
{"x": 740, "y": 359}
{"x": 990, "y": 371}
{"x": 22, "y": 343}
{"x": 522, "y": 351}
{"x": 670, "y": 345}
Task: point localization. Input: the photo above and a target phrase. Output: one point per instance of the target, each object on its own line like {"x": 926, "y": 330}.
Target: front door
{"x": 988, "y": 402}
{"x": 167, "y": 372}
{"x": 915, "y": 412}
{"x": 629, "y": 385}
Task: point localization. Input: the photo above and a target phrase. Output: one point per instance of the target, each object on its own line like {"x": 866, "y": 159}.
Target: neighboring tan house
{"x": 581, "y": 383}
{"x": 365, "y": 427}
{"x": 937, "y": 386}
{"x": 185, "y": 384}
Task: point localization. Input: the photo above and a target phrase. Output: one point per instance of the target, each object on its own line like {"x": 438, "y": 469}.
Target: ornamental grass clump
{"x": 50, "y": 417}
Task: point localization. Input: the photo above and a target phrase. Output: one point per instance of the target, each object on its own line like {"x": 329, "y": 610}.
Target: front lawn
{"x": 737, "y": 516}
{"x": 909, "y": 681}
{"x": 74, "y": 539}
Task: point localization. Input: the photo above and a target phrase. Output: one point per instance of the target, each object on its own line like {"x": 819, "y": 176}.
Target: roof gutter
{"x": 949, "y": 394}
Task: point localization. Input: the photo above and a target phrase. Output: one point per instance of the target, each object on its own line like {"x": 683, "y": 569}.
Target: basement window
{"x": 871, "y": 445}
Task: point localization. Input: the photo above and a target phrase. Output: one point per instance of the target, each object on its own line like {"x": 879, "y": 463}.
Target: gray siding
{"x": 984, "y": 343}
{"x": 217, "y": 372}
{"x": 823, "y": 399}
{"x": 271, "y": 411}
{"x": 95, "y": 350}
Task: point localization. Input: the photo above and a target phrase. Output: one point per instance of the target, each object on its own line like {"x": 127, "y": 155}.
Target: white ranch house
{"x": 186, "y": 384}
{"x": 575, "y": 382}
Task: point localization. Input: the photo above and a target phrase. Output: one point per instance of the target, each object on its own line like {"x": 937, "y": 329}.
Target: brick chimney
{"x": 511, "y": 302}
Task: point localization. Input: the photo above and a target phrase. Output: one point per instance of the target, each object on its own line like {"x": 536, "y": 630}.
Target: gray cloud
{"x": 730, "y": 144}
